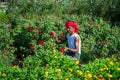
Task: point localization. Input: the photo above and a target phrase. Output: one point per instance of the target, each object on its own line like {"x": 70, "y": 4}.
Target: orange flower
{"x": 58, "y": 70}
{"x": 109, "y": 75}
{"x": 70, "y": 69}
{"x": 89, "y": 75}
{"x": 74, "y": 59}
{"x": 79, "y": 72}
{"x": 4, "y": 75}
{"x": 55, "y": 57}
{"x": 46, "y": 74}
{"x": 118, "y": 69}
{"x": 77, "y": 62}
{"x": 67, "y": 79}
{"x": 111, "y": 63}
{"x": 54, "y": 51}
{"x": 94, "y": 76}
{"x": 16, "y": 66}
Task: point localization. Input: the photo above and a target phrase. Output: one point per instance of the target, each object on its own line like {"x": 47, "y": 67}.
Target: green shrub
{"x": 106, "y": 68}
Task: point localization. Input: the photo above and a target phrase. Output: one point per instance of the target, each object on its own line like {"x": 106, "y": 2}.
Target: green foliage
{"x": 51, "y": 65}
{"x": 105, "y": 68}
{"x": 28, "y": 51}
{"x": 108, "y": 9}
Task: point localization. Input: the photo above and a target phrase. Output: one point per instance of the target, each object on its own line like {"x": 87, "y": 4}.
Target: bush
{"x": 106, "y": 68}
{"x": 28, "y": 51}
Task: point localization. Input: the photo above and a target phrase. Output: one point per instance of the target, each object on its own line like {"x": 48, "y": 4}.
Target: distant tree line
{"x": 108, "y": 9}
{"x": 3, "y": 0}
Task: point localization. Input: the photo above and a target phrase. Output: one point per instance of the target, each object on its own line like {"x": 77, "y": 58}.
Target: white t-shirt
{"x": 71, "y": 41}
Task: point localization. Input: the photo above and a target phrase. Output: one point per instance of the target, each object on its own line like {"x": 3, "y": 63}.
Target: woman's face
{"x": 70, "y": 29}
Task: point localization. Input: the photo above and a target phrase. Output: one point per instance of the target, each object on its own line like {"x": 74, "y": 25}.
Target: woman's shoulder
{"x": 75, "y": 34}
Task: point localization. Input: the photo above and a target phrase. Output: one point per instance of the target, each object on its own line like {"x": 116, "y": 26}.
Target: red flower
{"x": 90, "y": 21}
{"x": 10, "y": 28}
{"x": 31, "y": 28}
{"x": 62, "y": 50}
{"x": 40, "y": 42}
{"x": 61, "y": 34}
{"x": 6, "y": 51}
{"x": 31, "y": 47}
{"x": 52, "y": 33}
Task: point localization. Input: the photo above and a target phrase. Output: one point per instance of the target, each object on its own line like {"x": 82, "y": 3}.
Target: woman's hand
{"x": 66, "y": 48}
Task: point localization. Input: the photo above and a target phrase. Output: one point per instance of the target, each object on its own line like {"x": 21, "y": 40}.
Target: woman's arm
{"x": 56, "y": 38}
{"x": 60, "y": 40}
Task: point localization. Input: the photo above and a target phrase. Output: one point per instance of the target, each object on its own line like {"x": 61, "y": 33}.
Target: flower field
{"x": 28, "y": 50}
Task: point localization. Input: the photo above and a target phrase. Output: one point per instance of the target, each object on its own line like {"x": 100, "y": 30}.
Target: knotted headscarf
{"x": 72, "y": 24}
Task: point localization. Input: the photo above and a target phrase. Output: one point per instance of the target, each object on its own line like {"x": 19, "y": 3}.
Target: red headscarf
{"x": 72, "y": 24}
